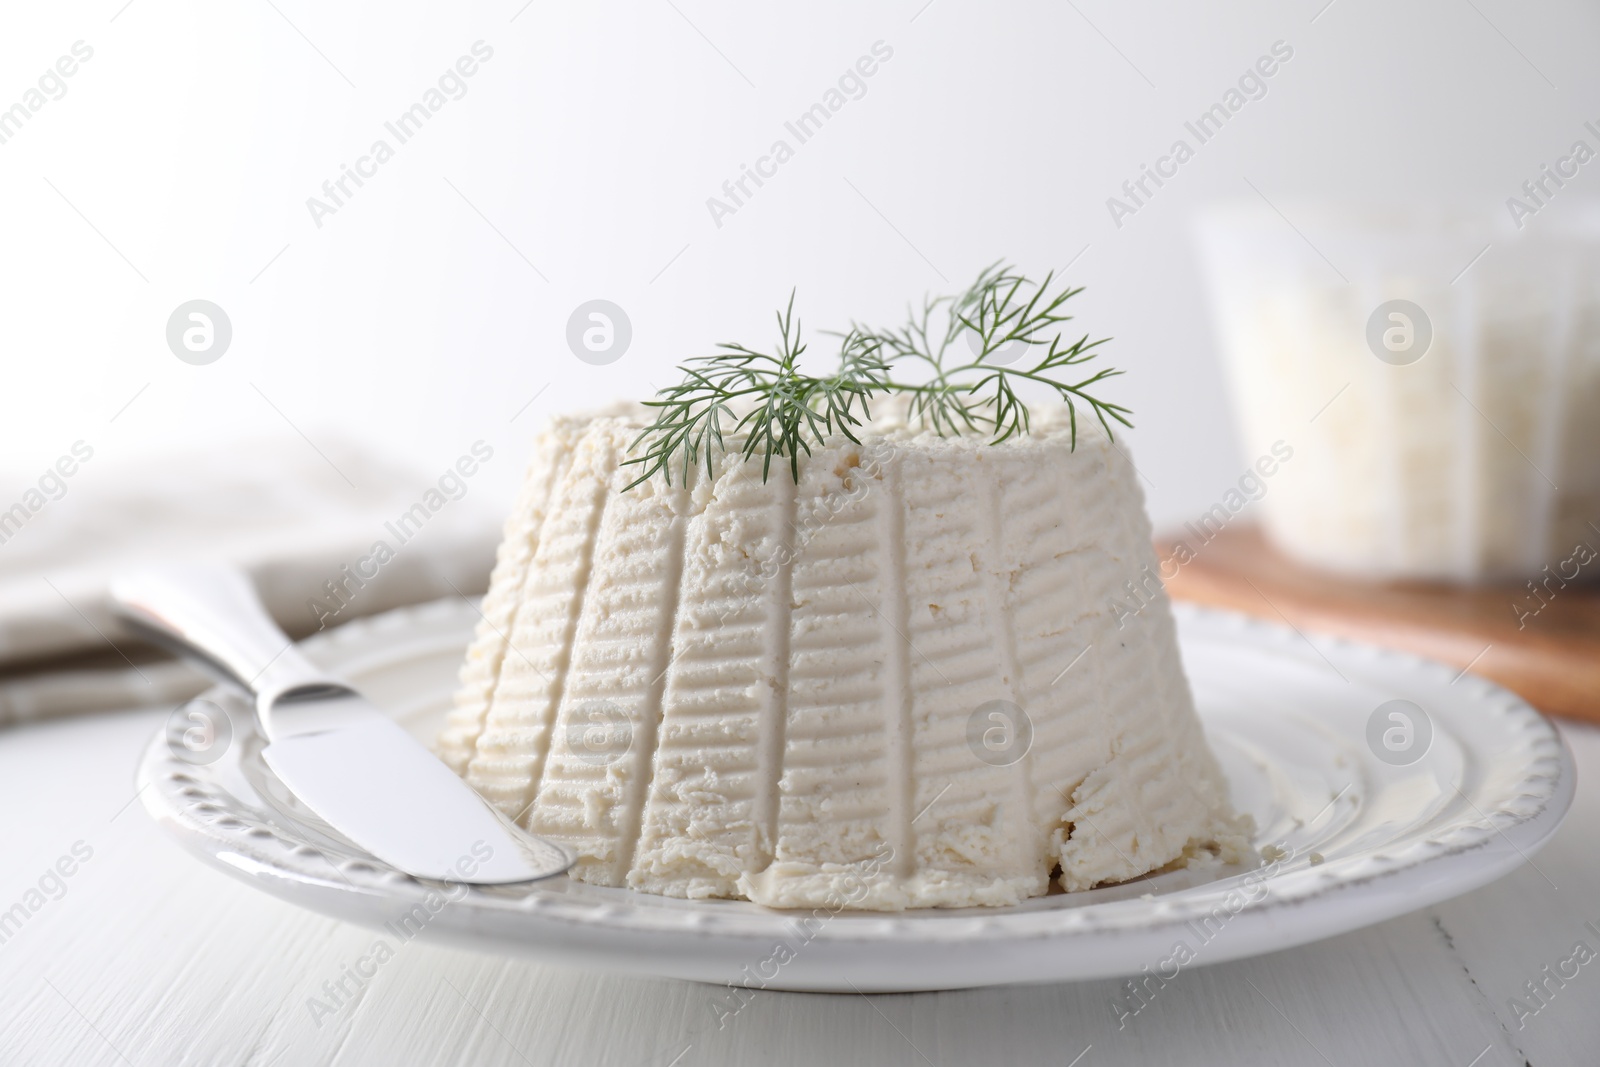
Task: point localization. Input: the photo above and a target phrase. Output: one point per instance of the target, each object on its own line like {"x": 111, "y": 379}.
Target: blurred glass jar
{"x": 1437, "y": 372}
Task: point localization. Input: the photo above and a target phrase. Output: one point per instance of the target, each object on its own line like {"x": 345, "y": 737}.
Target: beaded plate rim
{"x": 1510, "y": 821}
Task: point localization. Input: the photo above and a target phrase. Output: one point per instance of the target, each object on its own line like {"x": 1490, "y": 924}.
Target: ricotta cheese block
{"x": 913, "y": 679}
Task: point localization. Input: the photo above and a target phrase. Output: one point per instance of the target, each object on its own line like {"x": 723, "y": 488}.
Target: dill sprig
{"x": 1001, "y": 312}
{"x": 1001, "y": 319}
{"x": 790, "y": 410}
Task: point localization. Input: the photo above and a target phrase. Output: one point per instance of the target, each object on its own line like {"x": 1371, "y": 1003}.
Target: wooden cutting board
{"x": 1550, "y": 655}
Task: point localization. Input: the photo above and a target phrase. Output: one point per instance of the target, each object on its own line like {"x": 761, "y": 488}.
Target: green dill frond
{"x": 1002, "y": 311}
{"x": 975, "y": 348}
{"x": 789, "y": 411}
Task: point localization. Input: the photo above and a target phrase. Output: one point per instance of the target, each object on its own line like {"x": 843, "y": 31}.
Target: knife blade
{"x": 340, "y": 755}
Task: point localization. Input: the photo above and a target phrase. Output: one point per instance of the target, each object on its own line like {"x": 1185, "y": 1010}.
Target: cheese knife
{"x": 343, "y": 758}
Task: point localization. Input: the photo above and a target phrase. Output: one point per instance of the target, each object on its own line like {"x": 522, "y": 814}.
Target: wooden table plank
{"x": 1551, "y": 657}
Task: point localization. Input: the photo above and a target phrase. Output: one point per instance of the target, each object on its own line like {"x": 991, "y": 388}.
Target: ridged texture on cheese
{"x": 775, "y": 691}
{"x": 518, "y": 542}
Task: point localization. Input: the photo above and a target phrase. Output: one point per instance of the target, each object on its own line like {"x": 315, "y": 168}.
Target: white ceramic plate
{"x": 1360, "y": 840}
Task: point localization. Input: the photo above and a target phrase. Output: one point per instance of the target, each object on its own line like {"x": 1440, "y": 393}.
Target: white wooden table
{"x": 149, "y": 959}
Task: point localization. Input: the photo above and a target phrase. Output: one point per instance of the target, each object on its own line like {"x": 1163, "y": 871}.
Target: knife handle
{"x": 212, "y": 616}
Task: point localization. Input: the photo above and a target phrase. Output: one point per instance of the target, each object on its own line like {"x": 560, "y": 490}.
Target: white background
{"x": 589, "y": 144}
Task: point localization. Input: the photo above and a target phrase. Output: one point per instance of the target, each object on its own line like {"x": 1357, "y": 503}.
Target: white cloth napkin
{"x": 295, "y": 518}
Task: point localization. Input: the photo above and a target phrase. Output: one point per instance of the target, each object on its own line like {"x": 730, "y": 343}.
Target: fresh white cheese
{"x": 901, "y": 683}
